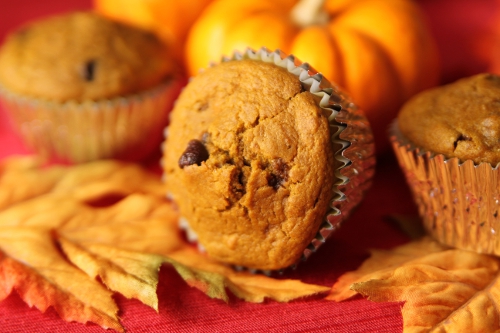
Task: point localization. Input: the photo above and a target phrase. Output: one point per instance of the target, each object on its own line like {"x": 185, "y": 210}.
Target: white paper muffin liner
{"x": 128, "y": 127}
{"x": 351, "y": 140}
{"x": 458, "y": 201}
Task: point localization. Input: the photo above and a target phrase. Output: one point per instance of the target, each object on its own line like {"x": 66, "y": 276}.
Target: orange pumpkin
{"x": 170, "y": 19}
{"x": 380, "y": 51}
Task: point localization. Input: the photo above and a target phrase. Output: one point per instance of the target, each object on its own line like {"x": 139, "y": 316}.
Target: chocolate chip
{"x": 274, "y": 181}
{"x": 280, "y": 168}
{"x": 279, "y": 173}
{"x": 89, "y": 70}
{"x": 195, "y": 153}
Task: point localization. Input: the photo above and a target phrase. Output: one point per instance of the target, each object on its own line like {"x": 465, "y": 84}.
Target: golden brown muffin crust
{"x": 81, "y": 56}
{"x": 461, "y": 119}
{"x": 261, "y": 195}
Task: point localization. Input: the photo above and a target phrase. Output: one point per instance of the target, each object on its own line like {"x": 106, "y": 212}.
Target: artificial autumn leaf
{"x": 108, "y": 220}
{"x": 15, "y": 171}
{"x": 250, "y": 287}
{"x": 42, "y": 237}
{"x": 444, "y": 290}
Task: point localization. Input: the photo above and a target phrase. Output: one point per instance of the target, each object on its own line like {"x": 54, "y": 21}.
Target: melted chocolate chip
{"x": 279, "y": 173}
{"x": 274, "y": 181}
{"x": 280, "y": 168}
{"x": 89, "y": 70}
{"x": 195, "y": 153}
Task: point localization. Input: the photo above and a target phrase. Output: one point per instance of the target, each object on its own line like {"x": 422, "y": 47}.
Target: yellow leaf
{"x": 24, "y": 170}
{"x": 90, "y": 230}
{"x": 133, "y": 274}
{"x": 33, "y": 267}
{"x": 444, "y": 290}
{"x": 250, "y": 287}
{"x": 91, "y": 201}
{"x": 212, "y": 284}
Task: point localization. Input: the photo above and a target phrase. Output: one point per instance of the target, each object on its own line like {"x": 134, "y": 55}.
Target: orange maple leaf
{"x": 72, "y": 236}
{"x": 444, "y": 290}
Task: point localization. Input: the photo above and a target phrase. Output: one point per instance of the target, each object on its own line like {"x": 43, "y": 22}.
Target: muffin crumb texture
{"x": 259, "y": 195}
{"x": 82, "y": 56}
{"x": 460, "y": 120}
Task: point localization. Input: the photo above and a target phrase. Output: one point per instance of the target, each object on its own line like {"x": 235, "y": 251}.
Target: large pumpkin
{"x": 380, "y": 51}
{"x": 170, "y": 19}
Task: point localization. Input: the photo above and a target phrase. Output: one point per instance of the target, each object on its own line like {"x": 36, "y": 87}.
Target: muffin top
{"x": 460, "y": 120}
{"x": 81, "y": 56}
{"x": 249, "y": 161}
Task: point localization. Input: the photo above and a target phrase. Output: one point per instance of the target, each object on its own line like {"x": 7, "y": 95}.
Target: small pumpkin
{"x": 380, "y": 51}
{"x": 170, "y": 19}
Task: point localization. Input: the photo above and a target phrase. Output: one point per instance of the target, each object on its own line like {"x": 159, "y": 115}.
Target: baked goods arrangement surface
{"x": 82, "y": 56}
{"x": 262, "y": 158}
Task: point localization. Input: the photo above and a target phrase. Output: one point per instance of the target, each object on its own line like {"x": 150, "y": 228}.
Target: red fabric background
{"x": 184, "y": 309}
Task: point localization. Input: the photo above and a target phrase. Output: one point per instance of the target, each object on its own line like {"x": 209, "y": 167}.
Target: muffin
{"x": 446, "y": 141}
{"x": 264, "y": 159}
{"x": 81, "y": 87}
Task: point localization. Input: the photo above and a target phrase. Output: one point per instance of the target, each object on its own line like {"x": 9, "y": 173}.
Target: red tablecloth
{"x": 184, "y": 309}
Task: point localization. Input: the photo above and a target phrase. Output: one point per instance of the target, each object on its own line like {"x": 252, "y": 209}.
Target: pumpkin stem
{"x": 309, "y": 12}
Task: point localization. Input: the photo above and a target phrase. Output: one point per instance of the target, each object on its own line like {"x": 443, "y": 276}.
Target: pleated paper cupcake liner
{"x": 128, "y": 127}
{"x": 458, "y": 201}
{"x": 351, "y": 140}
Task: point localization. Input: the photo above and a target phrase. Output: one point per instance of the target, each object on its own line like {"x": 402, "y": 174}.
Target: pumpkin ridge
{"x": 390, "y": 65}
{"x": 341, "y": 78}
{"x": 364, "y": 79}
{"x": 403, "y": 16}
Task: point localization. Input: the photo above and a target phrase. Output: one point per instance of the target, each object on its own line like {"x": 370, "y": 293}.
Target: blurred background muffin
{"x": 81, "y": 87}
{"x": 446, "y": 141}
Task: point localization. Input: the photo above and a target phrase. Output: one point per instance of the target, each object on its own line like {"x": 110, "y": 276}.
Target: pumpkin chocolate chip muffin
{"x": 80, "y": 86}
{"x": 251, "y": 162}
{"x": 460, "y": 120}
{"x": 446, "y": 141}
